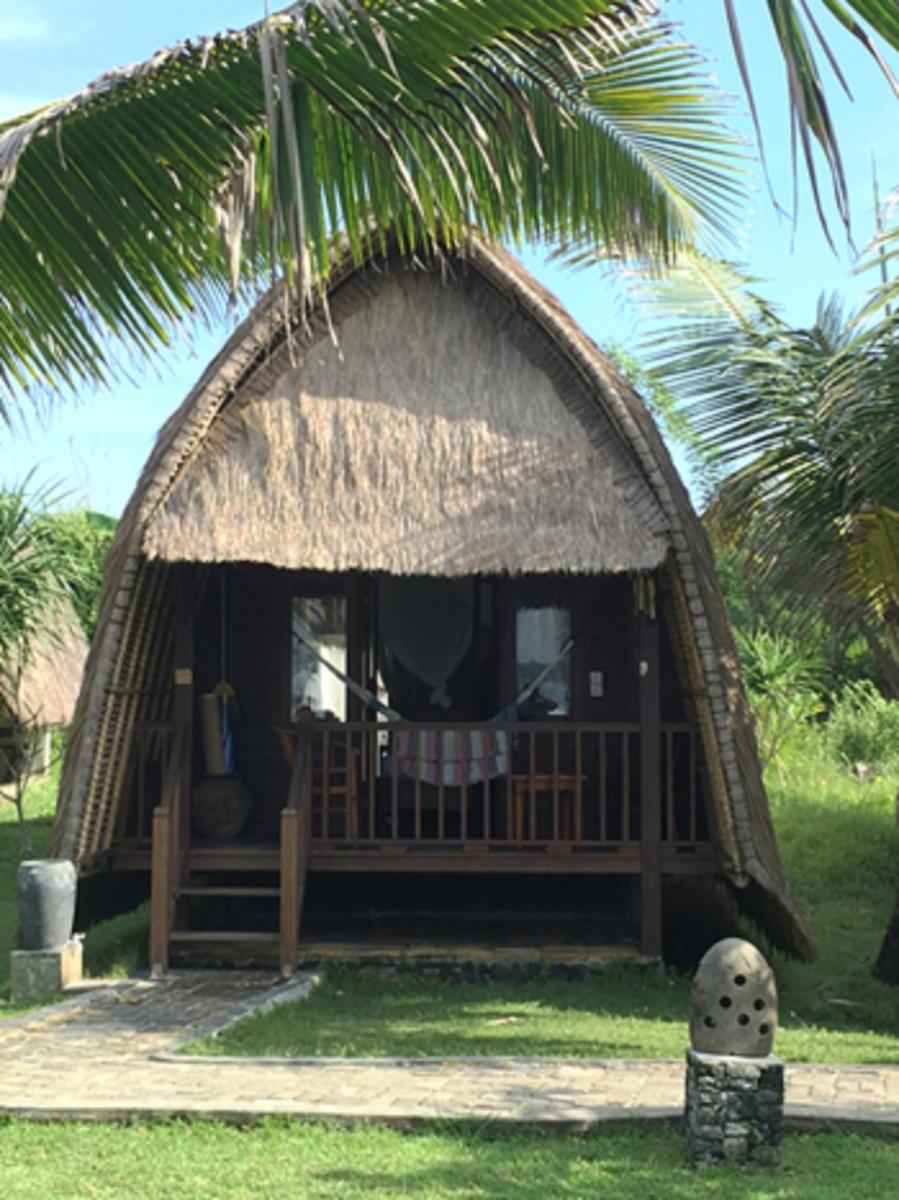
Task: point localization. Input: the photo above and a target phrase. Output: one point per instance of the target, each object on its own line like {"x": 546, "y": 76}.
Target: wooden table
{"x": 523, "y": 786}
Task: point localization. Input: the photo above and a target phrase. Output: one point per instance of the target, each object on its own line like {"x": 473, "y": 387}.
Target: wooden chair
{"x": 335, "y": 783}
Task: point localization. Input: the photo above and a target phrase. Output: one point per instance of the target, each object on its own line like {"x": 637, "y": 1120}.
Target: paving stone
{"x": 107, "y": 1056}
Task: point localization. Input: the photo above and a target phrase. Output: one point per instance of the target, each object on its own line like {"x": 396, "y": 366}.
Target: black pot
{"x": 220, "y": 808}
{"x": 46, "y": 889}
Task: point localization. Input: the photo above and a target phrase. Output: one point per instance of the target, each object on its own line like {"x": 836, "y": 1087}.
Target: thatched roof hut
{"x": 458, "y": 424}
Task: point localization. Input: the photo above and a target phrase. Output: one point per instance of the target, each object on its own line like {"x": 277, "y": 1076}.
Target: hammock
{"x": 453, "y": 756}
{"x": 457, "y": 756}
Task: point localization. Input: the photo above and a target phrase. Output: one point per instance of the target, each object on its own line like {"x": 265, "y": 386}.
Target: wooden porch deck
{"x": 554, "y": 797}
{"x": 535, "y": 799}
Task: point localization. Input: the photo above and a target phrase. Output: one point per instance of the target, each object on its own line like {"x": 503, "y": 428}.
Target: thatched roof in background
{"x": 382, "y": 431}
{"x": 51, "y": 679}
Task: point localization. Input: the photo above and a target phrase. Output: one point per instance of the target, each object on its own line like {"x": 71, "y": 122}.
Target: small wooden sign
{"x": 183, "y": 676}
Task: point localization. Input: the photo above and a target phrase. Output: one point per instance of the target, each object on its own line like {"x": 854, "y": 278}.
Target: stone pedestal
{"x": 734, "y": 1108}
{"x": 38, "y": 975}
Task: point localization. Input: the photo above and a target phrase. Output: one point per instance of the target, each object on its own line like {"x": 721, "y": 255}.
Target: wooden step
{"x": 194, "y": 889}
{"x": 235, "y": 858}
{"x": 242, "y": 936}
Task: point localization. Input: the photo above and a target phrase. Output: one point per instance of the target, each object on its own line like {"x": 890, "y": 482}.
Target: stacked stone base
{"x": 734, "y": 1109}
{"x": 38, "y": 975}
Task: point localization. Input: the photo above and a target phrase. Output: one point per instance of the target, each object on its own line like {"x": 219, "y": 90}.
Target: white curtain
{"x": 540, "y": 634}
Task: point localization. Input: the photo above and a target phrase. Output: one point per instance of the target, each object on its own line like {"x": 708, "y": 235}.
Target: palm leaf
{"x": 163, "y": 189}
{"x": 797, "y": 32}
{"x": 871, "y": 564}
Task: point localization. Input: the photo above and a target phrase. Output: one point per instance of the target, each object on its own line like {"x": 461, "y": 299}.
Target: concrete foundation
{"x": 734, "y": 1109}
{"x": 38, "y": 975}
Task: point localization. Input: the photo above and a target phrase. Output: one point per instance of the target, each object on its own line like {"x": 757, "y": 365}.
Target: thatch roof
{"x": 463, "y": 422}
{"x": 405, "y": 447}
{"x": 51, "y": 679}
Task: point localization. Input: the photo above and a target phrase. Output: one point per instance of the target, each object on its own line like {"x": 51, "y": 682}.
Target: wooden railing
{"x": 524, "y": 784}
{"x": 170, "y": 846}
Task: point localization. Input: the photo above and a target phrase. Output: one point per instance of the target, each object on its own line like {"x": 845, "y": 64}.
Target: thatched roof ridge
{"x": 246, "y": 367}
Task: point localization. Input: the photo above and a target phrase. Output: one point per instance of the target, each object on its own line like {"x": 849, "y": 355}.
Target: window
{"x": 319, "y": 652}
{"x": 542, "y": 629}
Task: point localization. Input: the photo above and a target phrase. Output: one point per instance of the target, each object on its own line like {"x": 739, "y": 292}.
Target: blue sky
{"x": 93, "y": 449}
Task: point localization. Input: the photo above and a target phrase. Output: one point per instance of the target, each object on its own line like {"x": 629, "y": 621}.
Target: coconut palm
{"x": 800, "y": 428}
{"x": 163, "y": 188}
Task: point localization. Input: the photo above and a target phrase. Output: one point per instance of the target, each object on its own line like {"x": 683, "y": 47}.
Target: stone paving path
{"x": 108, "y": 1056}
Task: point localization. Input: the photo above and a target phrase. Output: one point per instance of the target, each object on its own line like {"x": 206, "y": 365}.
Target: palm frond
{"x": 165, "y": 188}
{"x": 801, "y": 424}
{"x": 870, "y": 574}
{"x": 798, "y": 32}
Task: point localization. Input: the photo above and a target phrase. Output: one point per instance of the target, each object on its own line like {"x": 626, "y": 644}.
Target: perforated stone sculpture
{"x": 735, "y": 1085}
{"x": 733, "y": 1006}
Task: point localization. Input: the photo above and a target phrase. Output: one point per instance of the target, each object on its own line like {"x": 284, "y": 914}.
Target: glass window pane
{"x": 319, "y": 643}
{"x": 540, "y": 634}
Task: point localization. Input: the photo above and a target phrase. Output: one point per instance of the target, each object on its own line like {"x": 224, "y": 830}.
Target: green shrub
{"x": 864, "y": 726}
{"x": 782, "y": 686}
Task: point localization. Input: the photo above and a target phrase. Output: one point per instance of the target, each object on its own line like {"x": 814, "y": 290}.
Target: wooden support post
{"x": 296, "y": 839}
{"x": 650, "y": 786}
{"x": 160, "y": 892}
{"x": 183, "y": 719}
{"x": 289, "y": 924}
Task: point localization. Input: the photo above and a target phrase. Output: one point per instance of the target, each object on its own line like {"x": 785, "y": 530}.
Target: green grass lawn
{"x": 116, "y": 947}
{"x": 841, "y": 849}
{"x": 204, "y": 1161}
{"x": 624, "y": 1014}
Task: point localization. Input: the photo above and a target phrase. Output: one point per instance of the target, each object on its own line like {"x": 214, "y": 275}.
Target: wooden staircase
{"x": 221, "y": 930}
{"x": 184, "y": 876}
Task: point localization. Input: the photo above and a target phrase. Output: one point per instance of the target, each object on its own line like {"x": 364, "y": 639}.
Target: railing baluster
{"x": 532, "y": 794}
{"x": 326, "y": 784}
{"x": 578, "y": 787}
{"x": 626, "y": 786}
{"x": 463, "y": 800}
{"x": 510, "y": 831}
{"x": 441, "y": 816}
{"x": 555, "y": 737}
{"x": 394, "y": 793}
{"x": 352, "y": 789}
{"x": 371, "y": 746}
{"x": 417, "y": 737}
{"x": 603, "y": 788}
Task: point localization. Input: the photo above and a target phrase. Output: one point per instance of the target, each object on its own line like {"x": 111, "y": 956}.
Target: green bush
{"x": 782, "y": 686}
{"x": 864, "y": 726}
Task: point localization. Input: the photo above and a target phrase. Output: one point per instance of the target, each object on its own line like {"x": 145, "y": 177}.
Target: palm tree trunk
{"x": 887, "y": 965}
{"x": 886, "y": 664}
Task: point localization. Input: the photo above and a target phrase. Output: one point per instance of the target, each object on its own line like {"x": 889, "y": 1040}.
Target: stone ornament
{"x": 733, "y": 1005}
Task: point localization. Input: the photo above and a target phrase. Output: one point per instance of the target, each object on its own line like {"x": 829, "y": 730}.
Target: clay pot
{"x": 220, "y": 808}
{"x": 46, "y": 890}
